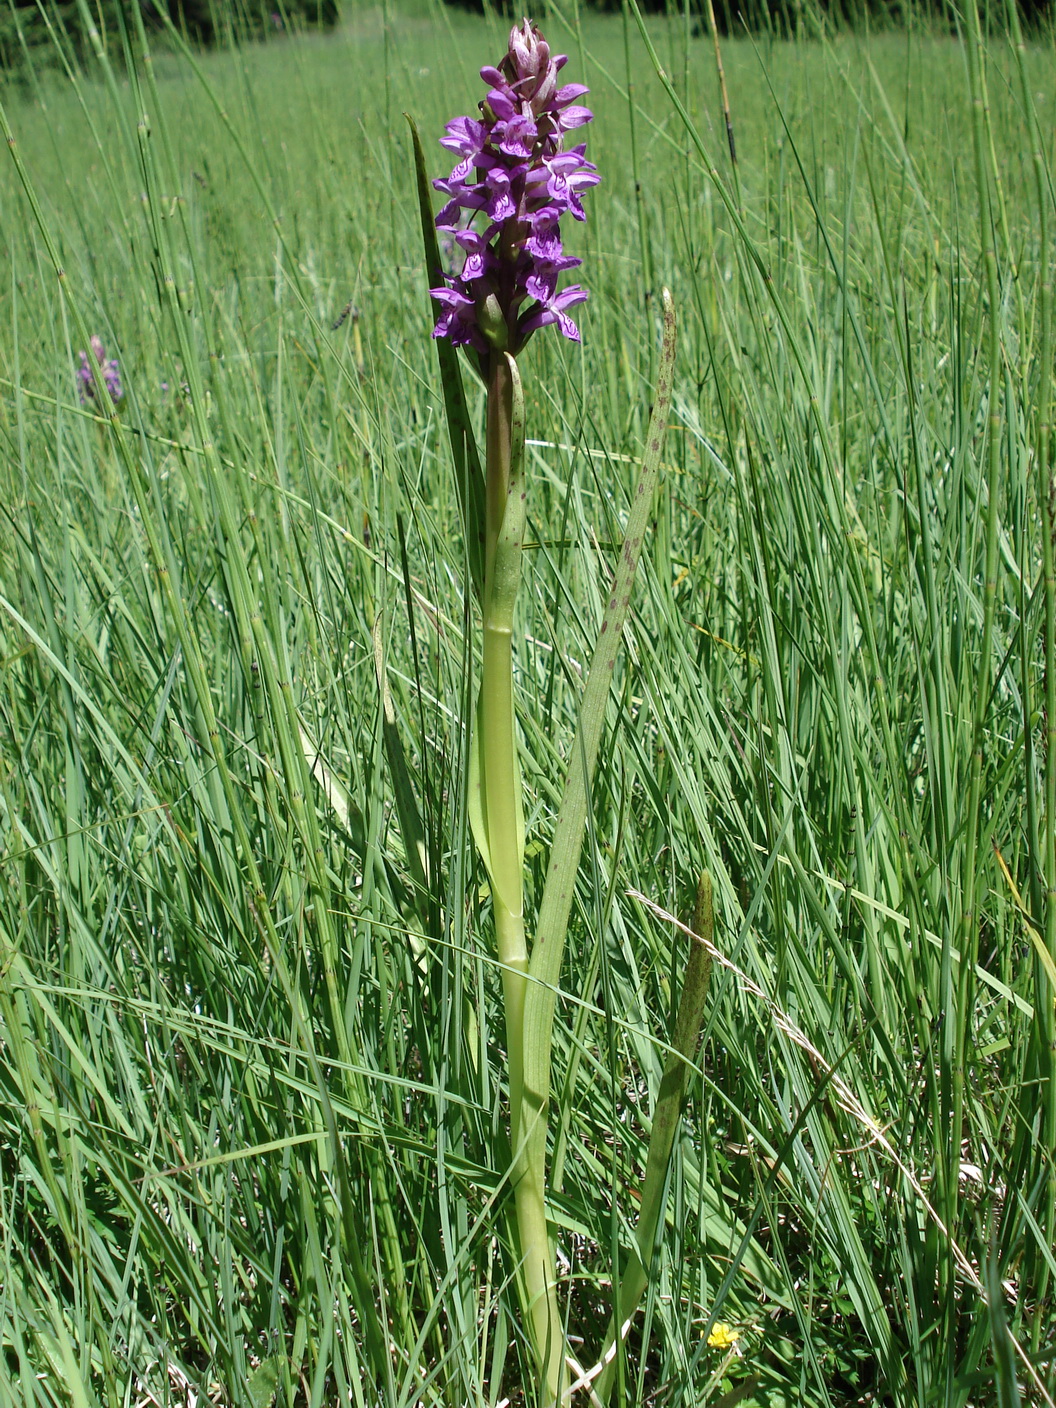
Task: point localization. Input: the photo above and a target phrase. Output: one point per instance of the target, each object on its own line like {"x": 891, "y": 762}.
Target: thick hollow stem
{"x": 537, "y": 1281}
{"x": 499, "y": 830}
{"x": 499, "y": 452}
{"x": 501, "y": 776}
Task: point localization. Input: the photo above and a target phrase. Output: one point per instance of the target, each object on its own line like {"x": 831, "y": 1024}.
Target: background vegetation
{"x": 50, "y": 33}
{"x": 250, "y": 1051}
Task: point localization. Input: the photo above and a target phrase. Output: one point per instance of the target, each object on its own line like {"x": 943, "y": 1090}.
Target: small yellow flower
{"x": 723, "y": 1337}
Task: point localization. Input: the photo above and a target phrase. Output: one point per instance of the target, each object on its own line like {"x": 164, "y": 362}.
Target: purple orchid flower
{"x": 111, "y": 375}
{"x": 511, "y": 166}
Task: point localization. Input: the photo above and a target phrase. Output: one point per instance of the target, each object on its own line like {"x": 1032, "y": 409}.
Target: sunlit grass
{"x": 249, "y": 1022}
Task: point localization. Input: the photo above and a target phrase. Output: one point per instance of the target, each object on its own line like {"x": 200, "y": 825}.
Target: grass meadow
{"x": 252, "y": 1105}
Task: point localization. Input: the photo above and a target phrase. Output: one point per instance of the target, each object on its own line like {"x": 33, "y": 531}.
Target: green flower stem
{"x": 504, "y": 520}
{"x": 497, "y": 816}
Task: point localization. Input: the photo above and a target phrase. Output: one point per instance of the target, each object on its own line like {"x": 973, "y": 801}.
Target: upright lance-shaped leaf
{"x": 549, "y": 947}
{"x": 469, "y": 477}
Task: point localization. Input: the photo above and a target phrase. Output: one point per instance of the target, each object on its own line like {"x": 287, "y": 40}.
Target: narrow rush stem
{"x": 643, "y": 237}
{"x": 666, "y": 1116}
{"x": 972, "y": 887}
{"x": 1046, "y": 1010}
{"x": 1045, "y": 1014}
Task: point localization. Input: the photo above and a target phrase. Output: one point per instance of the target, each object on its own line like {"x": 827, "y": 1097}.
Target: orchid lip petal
{"x": 568, "y": 327}
{"x": 575, "y": 117}
{"x": 451, "y": 297}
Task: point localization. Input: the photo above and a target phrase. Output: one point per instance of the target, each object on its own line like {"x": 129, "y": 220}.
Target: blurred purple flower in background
{"x": 111, "y": 375}
{"x": 512, "y": 167}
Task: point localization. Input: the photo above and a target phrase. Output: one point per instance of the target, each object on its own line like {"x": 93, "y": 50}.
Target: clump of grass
{"x": 249, "y": 1021}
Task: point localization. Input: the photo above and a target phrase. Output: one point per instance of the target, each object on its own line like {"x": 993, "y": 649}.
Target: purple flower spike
{"x": 111, "y": 375}
{"x": 512, "y": 167}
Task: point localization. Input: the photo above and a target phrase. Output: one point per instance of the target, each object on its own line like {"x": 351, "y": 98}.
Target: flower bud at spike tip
{"x": 514, "y": 174}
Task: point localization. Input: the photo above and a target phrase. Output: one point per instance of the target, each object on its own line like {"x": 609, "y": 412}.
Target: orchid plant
{"x": 108, "y": 370}
{"x": 512, "y": 170}
{"x": 514, "y": 181}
